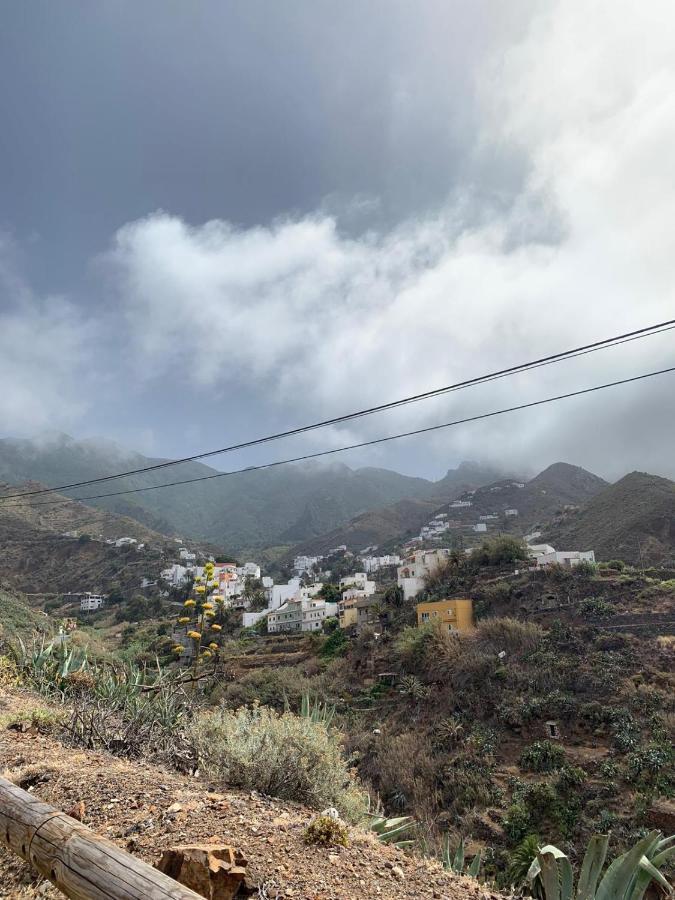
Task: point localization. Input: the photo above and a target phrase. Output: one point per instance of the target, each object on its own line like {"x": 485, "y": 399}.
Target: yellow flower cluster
{"x": 190, "y": 602}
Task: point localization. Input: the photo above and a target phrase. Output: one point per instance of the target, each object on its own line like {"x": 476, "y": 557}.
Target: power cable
{"x": 606, "y": 343}
{"x": 371, "y": 443}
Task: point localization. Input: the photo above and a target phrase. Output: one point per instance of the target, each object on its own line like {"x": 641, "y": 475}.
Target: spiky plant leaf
{"x": 592, "y": 866}
{"x": 474, "y": 868}
{"x": 619, "y": 879}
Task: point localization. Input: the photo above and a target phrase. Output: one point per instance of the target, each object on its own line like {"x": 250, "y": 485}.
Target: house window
{"x": 451, "y": 627}
{"x": 425, "y": 617}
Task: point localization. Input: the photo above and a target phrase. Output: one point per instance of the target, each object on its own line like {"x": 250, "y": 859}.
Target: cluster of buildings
{"x": 546, "y": 555}
{"x": 356, "y": 594}
{"x": 305, "y": 611}
{"x": 231, "y": 578}
{"x": 303, "y": 565}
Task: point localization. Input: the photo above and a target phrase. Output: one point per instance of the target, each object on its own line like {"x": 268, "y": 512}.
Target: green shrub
{"x": 651, "y": 767}
{"x": 325, "y": 831}
{"x": 501, "y": 550}
{"x": 542, "y": 756}
{"x": 596, "y": 607}
{"x": 335, "y": 645}
{"x": 287, "y": 756}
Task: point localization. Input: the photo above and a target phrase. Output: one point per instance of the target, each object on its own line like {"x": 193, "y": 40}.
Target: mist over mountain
{"x": 283, "y": 505}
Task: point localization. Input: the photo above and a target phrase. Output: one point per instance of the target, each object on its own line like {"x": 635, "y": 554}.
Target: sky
{"x": 222, "y": 219}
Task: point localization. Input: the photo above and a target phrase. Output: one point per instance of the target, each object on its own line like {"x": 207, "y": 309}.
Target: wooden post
{"x": 83, "y": 865}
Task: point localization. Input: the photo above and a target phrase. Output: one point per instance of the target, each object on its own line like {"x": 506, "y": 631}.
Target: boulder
{"x": 213, "y": 870}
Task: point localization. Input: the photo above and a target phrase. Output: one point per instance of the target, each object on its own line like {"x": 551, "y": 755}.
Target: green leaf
{"x": 594, "y": 860}
{"x": 620, "y": 877}
{"x": 474, "y": 868}
{"x": 550, "y": 877}
{"x": 458, "y": 861}
{"x": 650, "y": 869}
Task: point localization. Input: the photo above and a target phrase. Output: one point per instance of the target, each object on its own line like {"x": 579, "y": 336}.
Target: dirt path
{"x": 145, "y": 809}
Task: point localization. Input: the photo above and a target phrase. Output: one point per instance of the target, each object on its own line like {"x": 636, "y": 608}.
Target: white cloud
{"x": 332, "y": 323}
{"x": 44, "y": 345}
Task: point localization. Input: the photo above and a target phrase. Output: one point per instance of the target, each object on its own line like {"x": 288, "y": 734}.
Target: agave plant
{"x": 317, "y": 712}
{"x": 455, "y": 862}
{"x": 627, "y": 878}
{"x": 388, "y": 830}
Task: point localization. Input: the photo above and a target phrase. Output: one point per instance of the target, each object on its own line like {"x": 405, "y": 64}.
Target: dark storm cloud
{"x": 239, "y": 111}
{"x": 360, "y": 200}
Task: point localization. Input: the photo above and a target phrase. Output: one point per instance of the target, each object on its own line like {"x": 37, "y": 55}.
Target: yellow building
{"x": 455, "y": 614}
{"x": 347, "y": 612}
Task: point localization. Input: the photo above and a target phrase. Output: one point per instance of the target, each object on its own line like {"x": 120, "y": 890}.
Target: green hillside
{"x": 252, "y": 509}
{"x": 633, "y": 520}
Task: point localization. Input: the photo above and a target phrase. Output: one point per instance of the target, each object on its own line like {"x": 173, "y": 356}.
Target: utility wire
{"x": 371, "y": 443}
{"x": 415, "y": 398}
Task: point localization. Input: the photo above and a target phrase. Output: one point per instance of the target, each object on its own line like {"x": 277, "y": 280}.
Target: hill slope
{"x": 536, "y": 501}
{"x": 400, "y": 520}
{"x": 633, "y": 520}
{"x": 39, "y": 557}
{"x": 252, "y": 509}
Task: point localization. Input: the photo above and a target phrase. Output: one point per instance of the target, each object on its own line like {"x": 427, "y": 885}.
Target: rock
{"x": 174, "y": 808}
{"x": 662, "y": 816}
{"x": 77, "y": 811}
{"x": 331, "y": 813}
{"x": 397, "y": 872}
{"x": 213, "y": 870}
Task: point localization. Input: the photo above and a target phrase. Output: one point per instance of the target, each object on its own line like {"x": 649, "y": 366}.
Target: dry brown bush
{"x": 406, "y": 773}
{"x": 509, "y": 634}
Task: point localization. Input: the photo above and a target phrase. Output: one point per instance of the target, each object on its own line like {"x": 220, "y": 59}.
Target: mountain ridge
{"x": 254, "y": 509}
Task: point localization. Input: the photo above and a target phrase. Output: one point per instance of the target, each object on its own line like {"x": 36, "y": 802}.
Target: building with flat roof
{"x": 454, "y": 614}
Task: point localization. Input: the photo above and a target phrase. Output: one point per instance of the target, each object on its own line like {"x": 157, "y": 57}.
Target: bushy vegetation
{"x": 282, "y": 754}
{"x": 542, "y": 756}
{"x": 499, "y": 551}
{"x": 326, "y": 831}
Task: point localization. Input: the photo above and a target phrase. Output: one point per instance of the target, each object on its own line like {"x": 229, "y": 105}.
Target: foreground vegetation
{"x": 541, "y": 726}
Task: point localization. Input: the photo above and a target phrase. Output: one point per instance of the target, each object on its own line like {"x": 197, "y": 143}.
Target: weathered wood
{"x": 83, "y": 865}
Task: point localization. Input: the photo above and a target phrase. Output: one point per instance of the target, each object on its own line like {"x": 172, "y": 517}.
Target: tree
{"x": 501, "y": 550}
{"x": 330, "y": 593}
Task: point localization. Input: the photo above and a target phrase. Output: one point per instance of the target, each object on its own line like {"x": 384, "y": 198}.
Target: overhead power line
{"x": 604, "y": 344}
{"x": 370, "y": 443}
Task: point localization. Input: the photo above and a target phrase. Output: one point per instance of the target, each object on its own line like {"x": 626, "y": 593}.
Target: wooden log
{"x": 83, "y": 865}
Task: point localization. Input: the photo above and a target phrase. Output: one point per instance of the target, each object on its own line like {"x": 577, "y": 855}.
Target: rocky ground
{"x": 147, "y": 809}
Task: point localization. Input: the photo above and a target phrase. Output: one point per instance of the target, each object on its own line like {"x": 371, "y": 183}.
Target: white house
{"x": 315, "y": 612}
{"x": 125, "y": 541}
{"x": 302, "y": 564}
{"x": 248, "y": 570}
{"x": 280, "y": 593}
{"x": 568, "y": 558}
{"x": 358, "y": 580}
{"x": 481, "y": 526}
{"x": 186, "y": 555}
{"x": 412, "y": 573}
{"x": 460, "y": 504}
{"x": 91, "y": 602}
{"x": 249, "y": 619}
{"x": 175, "y": 574}
{"x": 300, "y": 614}
{"x": 375, "y": 563}
{"x": 510, "y": 512}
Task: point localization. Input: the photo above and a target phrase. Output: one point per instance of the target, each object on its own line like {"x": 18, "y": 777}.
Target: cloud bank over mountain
{"x": 553, "y": 230}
